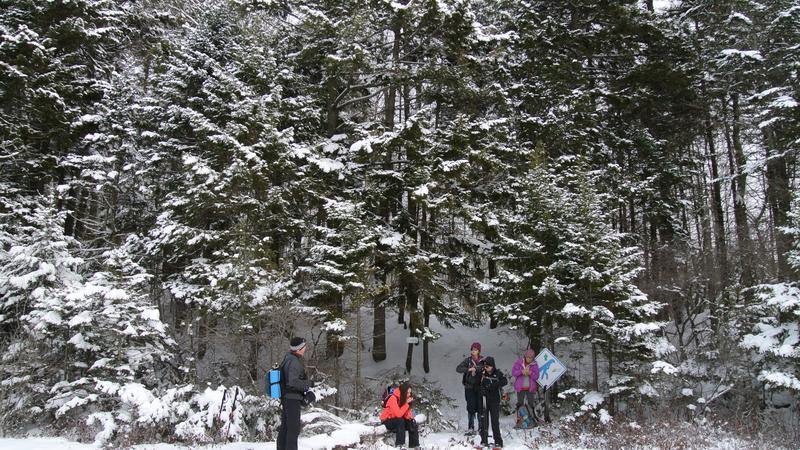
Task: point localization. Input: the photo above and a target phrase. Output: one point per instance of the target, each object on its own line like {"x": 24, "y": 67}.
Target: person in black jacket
{"x": 295, "y": 390}
{"x": 492, "y": 380}
{"x": 471, "y": 368}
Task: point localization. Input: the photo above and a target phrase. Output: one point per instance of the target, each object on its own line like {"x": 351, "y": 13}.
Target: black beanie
{"x": 489, "y": 361}
{"x": 297, "y": 344}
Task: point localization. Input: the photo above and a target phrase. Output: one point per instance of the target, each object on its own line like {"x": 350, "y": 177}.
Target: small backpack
{"x": 274, "y": 381}
{"x": 387, "y": 392}
{"x": 525, "y": 418}
{"x": 276, "y": 384}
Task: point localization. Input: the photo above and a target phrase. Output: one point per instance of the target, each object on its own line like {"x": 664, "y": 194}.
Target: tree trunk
{"x": 252, "y": 362}
{"x": 739, "y": 191}
{"x": 595, "y": 380}
{"x": 334, "y": 347}
{"x": 391, "y": 90}
{"x": 426, "y": 317}
{"x": 425, "y": 245}
{"x": 779, "y": 199}
{"x": 332, "y": 119}
{"x": 411, "y": 294}
{"x": 73, "y": 202}
{"x": 612, "y": 398}
{"x": 357, "y": 374}
{"x": 202, "y": 336}
{"x": 379, "y": 321}
{"x": 406, "y": 101}
{"x": 492, "y": 273}
{"x": 719, "y": 269}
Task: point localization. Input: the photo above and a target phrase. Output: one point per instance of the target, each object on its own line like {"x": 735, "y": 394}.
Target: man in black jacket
{"x": 492, "y": 380}
{"x": 294, "y": 390}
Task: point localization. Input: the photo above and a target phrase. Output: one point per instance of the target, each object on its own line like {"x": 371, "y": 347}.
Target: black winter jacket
{"x": 293, "y": 374}
{"x": 491, "y": 384}
{"x": 471, "y": 381}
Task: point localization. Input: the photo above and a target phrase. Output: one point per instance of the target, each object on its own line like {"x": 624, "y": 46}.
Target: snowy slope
{"x": 445, "y": 354}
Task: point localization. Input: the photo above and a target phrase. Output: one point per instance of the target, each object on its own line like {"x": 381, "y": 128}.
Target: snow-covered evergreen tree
{"x": 774, "y": 334}
{"x": 612, "y": 313}
{"x": 79, "y": 340}
{"x": 57, "y": 58}
{"x": 38, "y": 269}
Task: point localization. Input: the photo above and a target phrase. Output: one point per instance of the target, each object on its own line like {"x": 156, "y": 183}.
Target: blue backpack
{"x": 274, "y": 381}
{"x": 524, "y": 417}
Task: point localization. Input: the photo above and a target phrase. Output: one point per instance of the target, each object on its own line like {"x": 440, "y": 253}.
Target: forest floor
{"x": 555, "y": 436}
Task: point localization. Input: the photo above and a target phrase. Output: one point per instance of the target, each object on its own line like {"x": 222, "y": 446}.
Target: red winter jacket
{"x": 393, "y": 410}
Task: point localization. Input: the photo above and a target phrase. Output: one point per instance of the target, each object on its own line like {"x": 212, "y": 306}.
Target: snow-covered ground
{"x": 446, "y": 353}
{"x": 551, "y": 437}
{"x": 505, "y": 346}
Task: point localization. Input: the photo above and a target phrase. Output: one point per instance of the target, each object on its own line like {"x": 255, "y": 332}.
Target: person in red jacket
{"x": 397, "y": 416}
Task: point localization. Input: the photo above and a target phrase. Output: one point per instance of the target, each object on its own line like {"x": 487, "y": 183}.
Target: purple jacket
{"x": 519, "y": 366}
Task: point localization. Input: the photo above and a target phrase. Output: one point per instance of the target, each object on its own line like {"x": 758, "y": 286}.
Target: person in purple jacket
{"x": 526, "y": 372}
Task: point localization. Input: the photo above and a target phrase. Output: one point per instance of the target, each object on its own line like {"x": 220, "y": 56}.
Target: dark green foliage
{"x": 545, "y": 164}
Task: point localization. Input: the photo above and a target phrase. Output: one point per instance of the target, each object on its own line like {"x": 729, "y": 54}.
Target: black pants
{"x": 290, "y": 424}
{"x": 474, "y": 407}
{"x": 493, "y": 411}
{"x": 399, "y": 426}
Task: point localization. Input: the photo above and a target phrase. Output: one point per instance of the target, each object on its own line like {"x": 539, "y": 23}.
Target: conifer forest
{"x": 187, "y": 184}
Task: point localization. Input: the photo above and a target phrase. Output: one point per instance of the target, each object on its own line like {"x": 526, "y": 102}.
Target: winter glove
{"x": 308, "y": 398}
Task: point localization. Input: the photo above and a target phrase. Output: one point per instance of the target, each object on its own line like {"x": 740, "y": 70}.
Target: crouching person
{"x": 397, "y": 416}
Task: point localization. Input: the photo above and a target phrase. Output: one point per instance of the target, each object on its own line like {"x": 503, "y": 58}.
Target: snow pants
{"x": 474, "y": 407}
{"x": 493, "y": 412}
{"x": 399, "y": 426}
{"x": 290, "y": 424}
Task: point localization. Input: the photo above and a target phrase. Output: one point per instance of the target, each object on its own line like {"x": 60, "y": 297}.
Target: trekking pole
{"x": 233, "y": 409}
{"x": 222, "y": 403}
{"x": 484, "y": 420}
{"x": 218, "y": 418}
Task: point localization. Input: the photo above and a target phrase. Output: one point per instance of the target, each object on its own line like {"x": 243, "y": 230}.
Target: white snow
{"x": 784, "y": 101}
{"x": 591, "y": 400}
{"x": 392, "y": 240}
{"x": 663, "y": 366}
{"x": 421, "y": 191}
{"x": 503, "y": 344}
{"x": 327, "y": 164}
{"x": 751, "y": 54}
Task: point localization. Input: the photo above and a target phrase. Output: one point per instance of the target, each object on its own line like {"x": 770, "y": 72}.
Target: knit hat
{"x": 297, "y": 344}
{"x": 475, "y": 345}
{"x": 529, "y": 354}
{"x": 489, "y": 361}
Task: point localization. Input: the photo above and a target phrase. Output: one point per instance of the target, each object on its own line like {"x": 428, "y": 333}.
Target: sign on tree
{"x": 550, "y": 368}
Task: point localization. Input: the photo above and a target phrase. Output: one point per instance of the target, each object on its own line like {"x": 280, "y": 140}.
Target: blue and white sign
{"x": 550, "y": 368}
